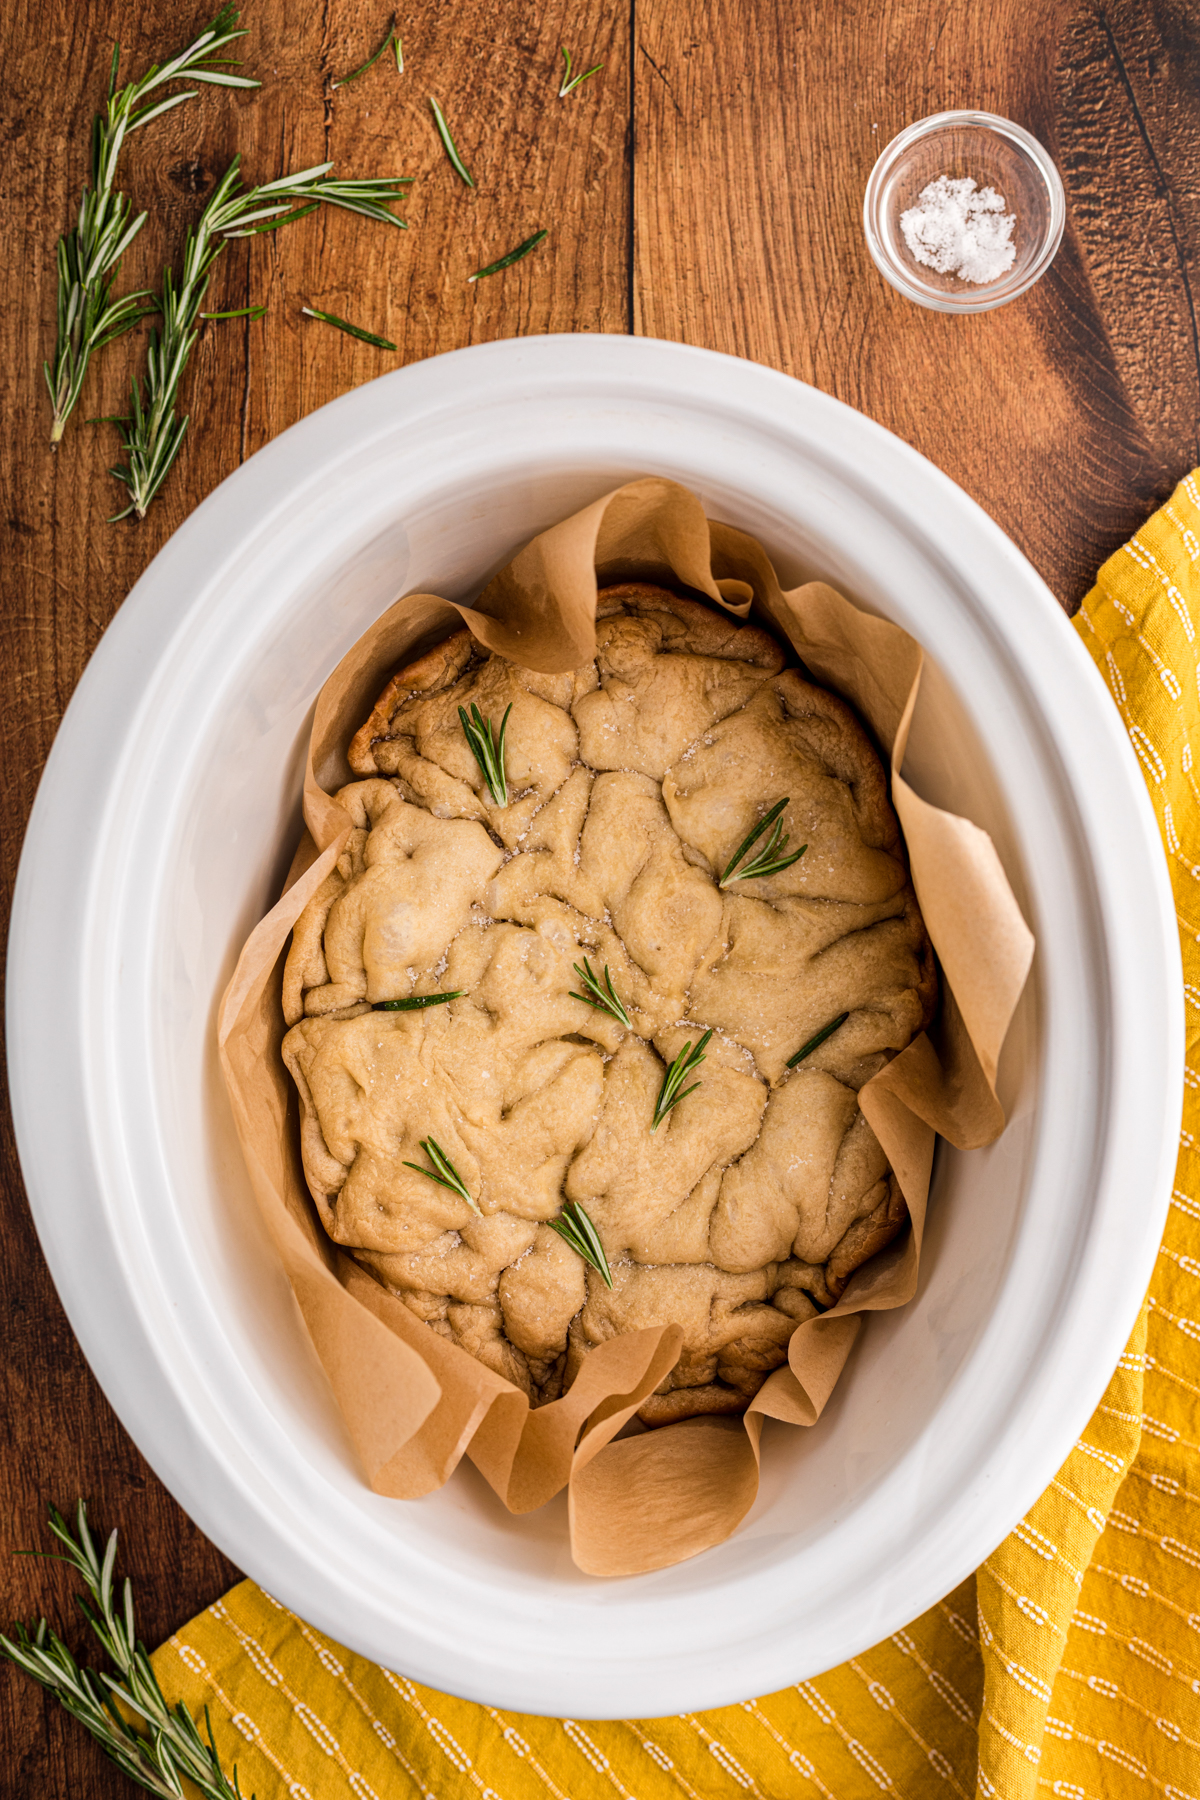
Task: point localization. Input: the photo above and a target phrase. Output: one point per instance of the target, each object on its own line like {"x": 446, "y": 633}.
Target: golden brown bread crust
{"x": 631, "y": 780}
{"x": 707, "y": 633}
{"x": 438, "y": 668}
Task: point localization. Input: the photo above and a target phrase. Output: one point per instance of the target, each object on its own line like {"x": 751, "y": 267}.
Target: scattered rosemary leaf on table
{"x": 506, "y": 262}
{"x": 415, "y": 1002}
{"x": 673, "y": 1090}
{"x": 569, "y": 82}
{"x": 487, "y": 747}
{"x": 770, "y": 859}
{"x": 443, "y": 1172}
{"x": 163, "y": 1748}
{"x": 390, "y": 40}
{"x": 814, "y": 1043}
{"x": 355, "y": 331}
{"x": 603, "y": 996}
{"x": 448, "y": 144}
{"x": 153, "y": 434}
{"x": 576, "y": 1229}
{"x": 399, "y": 49}
{"x": 88, "y": 255}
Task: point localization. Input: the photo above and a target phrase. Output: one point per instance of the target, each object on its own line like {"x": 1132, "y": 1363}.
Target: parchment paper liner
{"x": 413, "y": 1401}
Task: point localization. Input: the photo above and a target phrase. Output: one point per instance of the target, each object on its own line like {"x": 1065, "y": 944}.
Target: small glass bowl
{"x": 998, "y": 154}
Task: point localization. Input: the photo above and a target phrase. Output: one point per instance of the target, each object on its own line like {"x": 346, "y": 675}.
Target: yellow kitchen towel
{"x": 1069, "y": 1664}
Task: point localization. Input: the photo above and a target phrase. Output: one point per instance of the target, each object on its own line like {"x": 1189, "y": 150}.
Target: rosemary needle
{"x": 355, "y": 331}
{"x": 673, "y": 1090}
{"x": 814, "y": 1043}
{"x": 576, "y": 1229}
{"x": 297, "y": 212}
{"x": 443, "y": 1172}
{"x": 506, "y": 262}
{"x": 448, "y": 144}
{"x": 241, "y": 312}
{"x": 398, "y": 46}
{"x": 569, "y": 82}
{"x": 415, "y": 1002}
{"x": 387, "y": 43}
{"x": 770, "y": 859}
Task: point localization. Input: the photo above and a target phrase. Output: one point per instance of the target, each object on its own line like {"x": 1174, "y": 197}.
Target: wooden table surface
{"x": 705, "y": 186}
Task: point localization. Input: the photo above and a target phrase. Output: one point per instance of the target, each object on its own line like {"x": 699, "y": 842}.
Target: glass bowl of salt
{"x": 964, "y": 211}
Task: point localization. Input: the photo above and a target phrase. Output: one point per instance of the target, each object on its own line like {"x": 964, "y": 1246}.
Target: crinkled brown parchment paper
{"x": 414, "y": 1402}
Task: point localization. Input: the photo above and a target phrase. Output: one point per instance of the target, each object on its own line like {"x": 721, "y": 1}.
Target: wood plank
{"x": 1067, "y": 413}
{"x": 535, "y": 161}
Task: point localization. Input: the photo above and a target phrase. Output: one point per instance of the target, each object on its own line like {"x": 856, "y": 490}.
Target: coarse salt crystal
{"x": 959, "y": 228}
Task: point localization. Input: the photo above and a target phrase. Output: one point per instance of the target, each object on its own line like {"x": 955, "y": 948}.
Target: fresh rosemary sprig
{"x": 443, "y": 1172}
{"x": 770, "y": 859}
{"x": 814, "y": 1043}
{"x": 488, "y": 749}
{"x": 88, "y": 318}
{"x": 390, "y": 41}
{"x": 673, "y": 1090}
{"x": 415, "y": 1002}
{"x": 355, "y": 331}
{"x": 169, "y": 1749}
{"x": 448, "y": 144}
{"x": 506, "y": 262}
{"x": 602, "y": 996}
{"x": 576, "y": 1229}
{"x": 151, "y": 437}
{"x": 570, "y": 82}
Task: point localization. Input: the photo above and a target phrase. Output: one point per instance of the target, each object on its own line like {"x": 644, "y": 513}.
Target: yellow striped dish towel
{"x": 1069, "y": 1665}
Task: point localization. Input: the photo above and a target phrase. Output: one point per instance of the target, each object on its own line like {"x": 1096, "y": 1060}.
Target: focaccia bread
{"x": 631, "y": 783}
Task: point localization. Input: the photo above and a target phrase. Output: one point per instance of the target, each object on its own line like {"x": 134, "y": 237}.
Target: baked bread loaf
{"x": 631, "y": 782}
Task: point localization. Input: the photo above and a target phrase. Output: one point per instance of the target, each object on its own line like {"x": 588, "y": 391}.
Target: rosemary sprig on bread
{"x": 444, "y": 1172}
{"x": 815, "y": 1042}
{"x": 576, "y": 1229}
{"x": 673, "y": 1090}
{"x": 770, "y": 859}
{"x": 487, "y": 747}
{"x": 600, "y": 993}
{"x": 417, "y": 1002}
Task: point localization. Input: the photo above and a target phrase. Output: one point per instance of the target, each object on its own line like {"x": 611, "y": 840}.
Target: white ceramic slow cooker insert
{"x": 163, "y": 826}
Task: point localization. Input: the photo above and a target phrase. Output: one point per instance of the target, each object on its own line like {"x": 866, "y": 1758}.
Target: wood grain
{"x": 705, "y": 187}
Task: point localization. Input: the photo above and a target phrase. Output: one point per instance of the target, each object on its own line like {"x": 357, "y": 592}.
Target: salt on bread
{"x": 631, "y": 782}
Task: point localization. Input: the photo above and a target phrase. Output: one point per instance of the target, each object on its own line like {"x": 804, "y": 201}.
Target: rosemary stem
{"x": 154, "y": 433}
